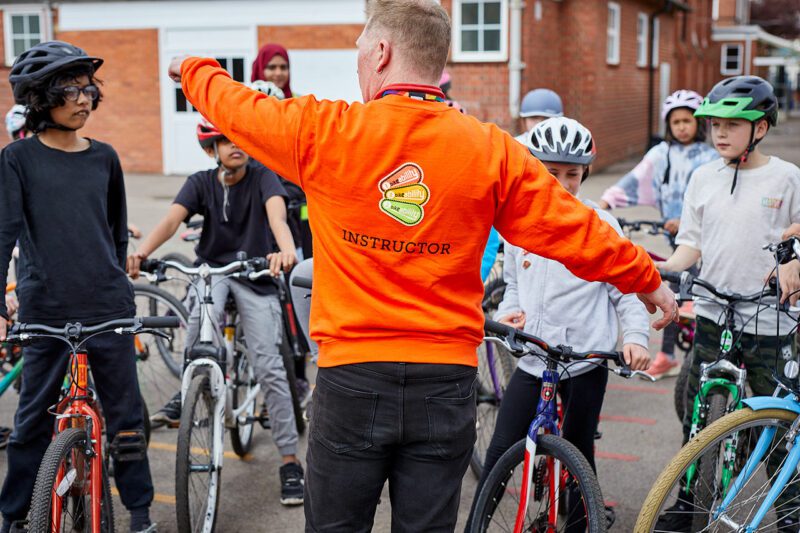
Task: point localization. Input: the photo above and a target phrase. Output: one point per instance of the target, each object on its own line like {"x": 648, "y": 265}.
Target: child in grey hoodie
{"x": 545, "y": 299}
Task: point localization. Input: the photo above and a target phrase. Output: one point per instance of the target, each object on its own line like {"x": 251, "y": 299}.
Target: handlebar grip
{"x": 672, "y": 277}
{"x": 149, "y": 265}
{"x": 259, "y": 263}
{"x": 498, "y": 328}
{"x": 303, "y": 283}
{"x": 159, "y": 322}
{"x": 195, "y": 223}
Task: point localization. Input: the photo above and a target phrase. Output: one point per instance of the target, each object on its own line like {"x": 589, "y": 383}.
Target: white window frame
{"x": 459, "y": 55}
{"x": 613, "y": 53}
{"x": 723, "y": 66}
{"x": 642, "y": 39}
{"x": 656, "y": 41}
{"x": 10, "y": 10}
{"x": 715, "y": 10}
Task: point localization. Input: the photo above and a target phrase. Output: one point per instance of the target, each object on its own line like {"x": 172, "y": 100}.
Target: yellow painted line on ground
{"x": 167, "y": 447}
{"x": 160, "y": 498}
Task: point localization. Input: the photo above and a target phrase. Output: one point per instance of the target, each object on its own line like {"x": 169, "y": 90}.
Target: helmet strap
{"x": 743, "y": 158}
{"x": 226, "y": 172}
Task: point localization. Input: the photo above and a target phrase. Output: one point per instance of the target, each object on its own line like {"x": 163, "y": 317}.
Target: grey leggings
{"x": 301, "y": 298}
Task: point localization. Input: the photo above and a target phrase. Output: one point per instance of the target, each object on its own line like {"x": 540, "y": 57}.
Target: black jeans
{"x": 581, "y": 400}
{"x": 113, "y": 368}
{"x": 410, "y": 424}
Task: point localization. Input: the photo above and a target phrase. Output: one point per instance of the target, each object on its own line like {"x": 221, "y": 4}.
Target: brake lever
{"x": 644, "y": 375}
{"x": 516, "y": 349}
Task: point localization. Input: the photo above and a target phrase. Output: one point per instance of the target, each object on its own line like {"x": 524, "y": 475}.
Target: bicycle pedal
{"x": 19, "y": 526}
{"x": 129, "y": 445}
{"x": 598, "y": 435}
{"x": 263, "y": 419}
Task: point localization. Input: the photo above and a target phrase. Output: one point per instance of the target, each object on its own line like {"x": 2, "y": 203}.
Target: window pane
{"x": 469, "y": 40}
{"x": 33, "y": 24}
{"x": 180, "y": 100}
{"x": 491, "y": 13}
{"x": 18, "y": 24}
{"x": 19, "y": 46}
{"x": 238, "y": 69}
{"x": 469, "y": 13}
{"x": 34, "y": 41}
{"x": 223, "y": 62}
{"x": 491, "y": 40}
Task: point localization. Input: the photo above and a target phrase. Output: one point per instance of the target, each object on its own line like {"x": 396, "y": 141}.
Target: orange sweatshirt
{"x": 401, "y": 196}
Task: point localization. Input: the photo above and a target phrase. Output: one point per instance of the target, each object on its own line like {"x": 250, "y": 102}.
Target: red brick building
{"x": 595, "y": 53}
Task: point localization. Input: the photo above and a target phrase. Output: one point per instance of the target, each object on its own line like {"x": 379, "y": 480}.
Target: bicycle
{"x": 218, "y": 391}
{"x": 726, "y": 459}
{"x": 551, "y": 467}
{"x": 72, "y": 484}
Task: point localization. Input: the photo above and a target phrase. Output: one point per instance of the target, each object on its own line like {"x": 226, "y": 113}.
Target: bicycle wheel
{"x": 680, "y": 399}
{"x": 747, "y": 425}
{"x": 243, "y": 382}
{"x": 288, "y": 364}
{"x": 178, "y": 283}
{"x": 197, "y": 481}
{"x": 497, "y": 504}
{"x": 708, "y": 465}
{"x": 495, "y": 366}
{"x": 64, "y": 479}
{"x": 159, "y": 361}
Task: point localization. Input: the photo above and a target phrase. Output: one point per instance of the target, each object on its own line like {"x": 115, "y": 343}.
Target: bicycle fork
{"x": 545, "y": 419}
{"x": 218, "y": 393}
{"x": 784, "y": 476}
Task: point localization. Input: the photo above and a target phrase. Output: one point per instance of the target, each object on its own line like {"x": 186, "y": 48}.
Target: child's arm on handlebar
{"x": 165, "y": 229}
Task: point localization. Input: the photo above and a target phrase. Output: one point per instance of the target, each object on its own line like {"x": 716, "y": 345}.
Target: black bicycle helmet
{"x": 745, "y": 97}
{"x": 42, "y": 60}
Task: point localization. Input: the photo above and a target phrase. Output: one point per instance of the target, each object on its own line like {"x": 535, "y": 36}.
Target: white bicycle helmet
{"x": 268, "y": 88}
{"x": 15, "y": 121}
{"x": 562, "y": 140}
{"x": 678, "y": 99}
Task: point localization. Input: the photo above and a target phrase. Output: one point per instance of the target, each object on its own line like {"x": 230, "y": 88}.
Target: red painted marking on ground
{"x": 611, "y": 503}
{"x": 616, "y": 456}
{"x": 639, "y": 388}
{"x": 629, "y": 419}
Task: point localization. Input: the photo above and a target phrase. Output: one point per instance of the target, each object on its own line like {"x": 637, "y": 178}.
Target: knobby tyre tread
{"x": 670, "y": 476}
{"x": 707, "y": 468}
{"x": 241, "y": 436}
{"x": 199, "y": 391}
{"x": 681, "y": 401}
{"x": 548, "y": 445}
{"x": 41, "y": 502}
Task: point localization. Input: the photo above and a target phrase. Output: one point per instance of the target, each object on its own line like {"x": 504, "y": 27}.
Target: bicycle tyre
{"x": 548, "y": 445}
{"x": 680, "y": 395}
{"x": 170, "y": 353}
{"x": 707, "y": 467}
{"x": 288, "y": 363}
{"x": 41, "y": 503}
{"x": 243, "y": 381}
{"x": 671, "y": 475}
{"x": 198, "y": 396}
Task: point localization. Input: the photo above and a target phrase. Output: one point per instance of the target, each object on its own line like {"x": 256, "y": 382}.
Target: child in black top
{"x": 63, "y": 197}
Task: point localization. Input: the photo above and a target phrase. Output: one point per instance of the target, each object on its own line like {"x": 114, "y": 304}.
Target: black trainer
{"x": 292, "y": 484}
{"x": 678, "y": 518}
{"x": 169, "y": 415}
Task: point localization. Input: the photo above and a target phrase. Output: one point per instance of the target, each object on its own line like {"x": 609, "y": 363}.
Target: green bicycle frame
{"x": 11, "y": 377}
{"x": 699, "y": 415}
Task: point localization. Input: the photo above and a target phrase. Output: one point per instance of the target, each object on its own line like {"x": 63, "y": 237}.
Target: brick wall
{"x": 6, "y": 97}
{"x": 129, "y": 117}
{"x": 311, "y": 37}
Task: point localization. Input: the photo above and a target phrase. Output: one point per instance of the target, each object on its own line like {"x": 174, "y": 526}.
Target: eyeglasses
{"x": 72, "y": 92}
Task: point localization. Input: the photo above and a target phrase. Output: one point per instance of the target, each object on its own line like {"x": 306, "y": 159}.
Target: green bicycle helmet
{"x": 745, "y": 97}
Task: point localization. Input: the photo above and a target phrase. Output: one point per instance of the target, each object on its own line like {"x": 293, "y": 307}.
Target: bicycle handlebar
{"x": 687, "y": 280}
{"x": 303, "y": 283}
{"x": 75, "y": 330}
{"x": 156, "y": 266}
{"x": 655, "y": 227}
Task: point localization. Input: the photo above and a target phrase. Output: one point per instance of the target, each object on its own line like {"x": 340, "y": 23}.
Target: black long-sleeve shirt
{"x": 68, "y": 211}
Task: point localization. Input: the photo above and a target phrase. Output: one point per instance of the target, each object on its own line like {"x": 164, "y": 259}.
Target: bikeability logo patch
{"x": 771, "y": 203}
{"x": 404, "y": 194}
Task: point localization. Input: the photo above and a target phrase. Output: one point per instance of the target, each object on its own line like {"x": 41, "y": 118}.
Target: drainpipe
{"x": 515, "y": 64}
{"x": 667, "y": 7}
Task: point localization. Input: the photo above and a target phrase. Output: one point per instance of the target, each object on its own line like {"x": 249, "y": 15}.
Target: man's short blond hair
{"x": 420, "y": 28}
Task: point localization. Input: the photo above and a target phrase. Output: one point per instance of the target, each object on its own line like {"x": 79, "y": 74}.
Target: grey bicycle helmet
{"x": 541, "y": 103}
{"x": 42, "y": 60}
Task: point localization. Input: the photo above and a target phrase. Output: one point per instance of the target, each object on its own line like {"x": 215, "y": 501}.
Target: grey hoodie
{"x": 562, "y": 308}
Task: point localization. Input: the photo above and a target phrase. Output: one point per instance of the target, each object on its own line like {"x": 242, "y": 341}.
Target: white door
{"x": 235, "y": 49}
{"x": 663, "y": 92}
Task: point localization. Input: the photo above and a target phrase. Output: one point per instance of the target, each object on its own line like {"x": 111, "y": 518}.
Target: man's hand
{"x": 672, "y": 225}
{"x": 175, "y": 68}
{"x": 637, "y": 357}
{"x": 514, "y": 320}
{"x": 133, "y": 263}
{"x": 791, "y": 231}
{"x": 3, "y": 328}
{"x": 789, "y": 275}
{"x": 11, "y": 303}
{"x": 281, "y": 261}
{"x": 662, "y": 298}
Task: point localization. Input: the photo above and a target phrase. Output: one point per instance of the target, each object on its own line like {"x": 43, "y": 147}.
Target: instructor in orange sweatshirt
{"x": 402, "y": 191}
